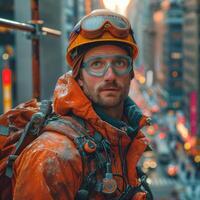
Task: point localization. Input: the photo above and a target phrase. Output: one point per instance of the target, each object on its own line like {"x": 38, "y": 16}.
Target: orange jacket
{"x": 51, "y": 166}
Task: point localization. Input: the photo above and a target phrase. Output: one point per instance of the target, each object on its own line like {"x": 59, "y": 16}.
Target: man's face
{"x": 109, "y": 90}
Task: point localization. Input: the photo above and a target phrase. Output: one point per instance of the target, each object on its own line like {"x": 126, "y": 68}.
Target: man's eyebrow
{"x": 104, "y": 56}
{"x": 95, "y": 57}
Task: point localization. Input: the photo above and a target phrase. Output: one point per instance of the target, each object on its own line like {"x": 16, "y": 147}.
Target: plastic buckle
{"x": 9, "y": 170}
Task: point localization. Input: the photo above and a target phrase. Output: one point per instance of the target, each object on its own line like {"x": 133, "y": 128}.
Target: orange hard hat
{"x": 99, "y": 26}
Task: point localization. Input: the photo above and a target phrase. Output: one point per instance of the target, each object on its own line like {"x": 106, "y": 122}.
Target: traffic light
{"x": 7, "y": 88}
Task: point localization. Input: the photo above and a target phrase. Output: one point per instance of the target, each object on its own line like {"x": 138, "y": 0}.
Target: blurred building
{"x": 52, "y": 58}
{"x": 173, "y": 55}
{"x": 191, "y": 63}
{"x": 6, "y": 40}
{"x": 160, "y": 76}
{"x": 133, "y": 11}
{"x": 144, "y": 30}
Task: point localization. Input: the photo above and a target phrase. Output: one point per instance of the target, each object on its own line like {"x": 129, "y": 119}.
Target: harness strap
{"x": 129, "y": 192}
{"x": 33, "y": 127}
{"x": 144, "y": 184}
{"x": 90, "y": 183}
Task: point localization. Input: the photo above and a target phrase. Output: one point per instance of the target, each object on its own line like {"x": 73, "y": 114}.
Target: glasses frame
{"x": 85, "y": 65}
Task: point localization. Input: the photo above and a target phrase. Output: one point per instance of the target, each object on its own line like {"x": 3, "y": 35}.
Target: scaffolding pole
{"x": 36, "y": 29}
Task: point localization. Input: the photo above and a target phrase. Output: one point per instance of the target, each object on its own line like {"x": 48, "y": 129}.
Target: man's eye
{"x": 120, "y": 63}
{"x": 96, "y": 64}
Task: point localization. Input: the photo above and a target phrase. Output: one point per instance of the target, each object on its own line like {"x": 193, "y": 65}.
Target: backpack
{"x": 21, "y": 125}
{"x": 18, "y": 128}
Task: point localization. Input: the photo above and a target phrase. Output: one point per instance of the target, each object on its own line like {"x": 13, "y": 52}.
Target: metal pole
{"x": 16, "y": 25}
{"x": 35, "y": 52}
{"x": 27, "y": 27}
{"x": 36, "y": 29}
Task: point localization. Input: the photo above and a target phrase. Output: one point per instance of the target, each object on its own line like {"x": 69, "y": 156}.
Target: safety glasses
{"x": 94, "y": 26}
{"x": 99, "y": 65}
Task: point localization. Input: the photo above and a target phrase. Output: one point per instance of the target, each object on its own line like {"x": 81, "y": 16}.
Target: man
{"x": 90, "y": 148}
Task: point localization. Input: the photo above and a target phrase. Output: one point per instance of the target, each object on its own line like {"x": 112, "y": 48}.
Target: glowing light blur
{"x": 117, "y": 5}
{"x": 165, "y": 4}
{"x": 140, "y": 78}
{"x": 197, "y": 158}
{"x": 172, "y": 170}
{"x": 5, "y": 56}
{"x": 187, "y": 146}
{"x": 182, "y": 130}
{"x": 162, "y": 135}
{"x": 149, "y": 181}
{"x": 158, "y": 16}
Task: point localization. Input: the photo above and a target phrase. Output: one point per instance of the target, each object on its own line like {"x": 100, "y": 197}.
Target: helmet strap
{"x": 77, "y": 64}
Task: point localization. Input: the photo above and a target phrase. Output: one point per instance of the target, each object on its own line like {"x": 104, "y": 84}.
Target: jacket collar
{"x": 131, "y": 112}
{"x": 68, "y": 97}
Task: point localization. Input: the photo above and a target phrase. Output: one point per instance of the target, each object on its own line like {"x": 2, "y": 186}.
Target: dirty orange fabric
{"x": 51, "y": 166}
{"x": 18, "y": 117}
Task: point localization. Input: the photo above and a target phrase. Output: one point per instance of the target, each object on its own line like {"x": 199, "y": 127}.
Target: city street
{"x": 164, "y": 188}
{"x": 167, "y": 152}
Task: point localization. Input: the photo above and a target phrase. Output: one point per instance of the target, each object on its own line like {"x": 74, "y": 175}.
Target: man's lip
{"x": 110, "y": 89}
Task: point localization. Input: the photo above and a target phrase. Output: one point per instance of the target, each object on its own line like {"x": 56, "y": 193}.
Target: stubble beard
{"x": 106, "y": 101}
{"x": 109, "y": 101}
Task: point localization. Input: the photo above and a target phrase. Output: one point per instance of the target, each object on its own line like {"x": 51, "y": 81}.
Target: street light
{"x": 117, "y": 5}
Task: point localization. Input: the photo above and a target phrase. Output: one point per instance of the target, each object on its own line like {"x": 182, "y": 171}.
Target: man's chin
{"x": 109, "y": 102}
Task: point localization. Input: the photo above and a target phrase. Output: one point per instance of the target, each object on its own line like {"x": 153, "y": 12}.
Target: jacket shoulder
{"x": 54, "y": 160}
{"x": 57, "y": 137}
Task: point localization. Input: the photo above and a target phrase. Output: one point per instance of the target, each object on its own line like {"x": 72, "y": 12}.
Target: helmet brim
{"x": 80, "y": 41}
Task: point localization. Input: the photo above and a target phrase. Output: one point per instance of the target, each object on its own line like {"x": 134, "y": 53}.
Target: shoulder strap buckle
{"x": 9, "y": 166}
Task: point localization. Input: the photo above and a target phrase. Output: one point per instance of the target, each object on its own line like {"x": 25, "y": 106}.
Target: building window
{"x": 176, "y": 55}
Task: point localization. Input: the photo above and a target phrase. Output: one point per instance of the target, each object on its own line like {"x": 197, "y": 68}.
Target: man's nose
{"x": 110, "y": 74}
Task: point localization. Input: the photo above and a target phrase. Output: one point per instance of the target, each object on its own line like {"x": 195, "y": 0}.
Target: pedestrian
{"x": 93, "y": 150}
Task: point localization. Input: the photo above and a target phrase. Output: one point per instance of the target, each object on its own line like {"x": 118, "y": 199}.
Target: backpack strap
{"x": 33, "y": 127}
{"x": 101, "y": 157}
{"x": 144, "y": 183}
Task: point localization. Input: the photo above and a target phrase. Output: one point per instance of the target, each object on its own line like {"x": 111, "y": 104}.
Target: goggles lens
{"x": 94, "y": 26}
{"x": 98, "y": 65}
{"x": 96, "y": 22}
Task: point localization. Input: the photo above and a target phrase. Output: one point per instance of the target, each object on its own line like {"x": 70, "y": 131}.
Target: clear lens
{"x": 117, "y": 21}
{"x": 95, "y": 22}
{"x": 98, "y": 66}
{"x": 120, "y": 63}
{"x": 92, "y": 23}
